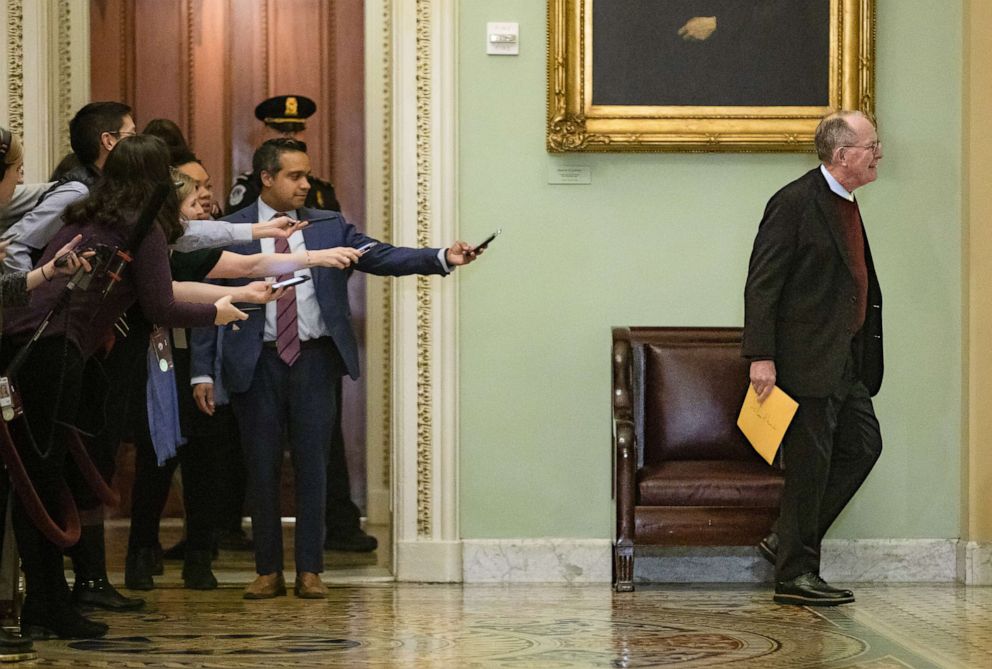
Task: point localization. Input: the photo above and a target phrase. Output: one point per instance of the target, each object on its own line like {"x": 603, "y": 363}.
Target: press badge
{"x": 10, "y": 403}
{"x": 163, "y": 351}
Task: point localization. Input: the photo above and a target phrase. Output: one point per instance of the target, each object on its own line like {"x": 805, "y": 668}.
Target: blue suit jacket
{"x": 241, "y": 348}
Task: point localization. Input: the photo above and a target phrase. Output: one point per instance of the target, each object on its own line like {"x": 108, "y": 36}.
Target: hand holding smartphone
{"x": 486, "y": 242}
{"x": 291, "y": 281}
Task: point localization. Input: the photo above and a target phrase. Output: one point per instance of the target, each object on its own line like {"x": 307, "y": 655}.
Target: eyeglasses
{"x": 874, "y": 147}
{"x": 119, "y": 134}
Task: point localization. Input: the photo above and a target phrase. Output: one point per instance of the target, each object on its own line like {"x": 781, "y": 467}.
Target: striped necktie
{"x": 287, "y": 331}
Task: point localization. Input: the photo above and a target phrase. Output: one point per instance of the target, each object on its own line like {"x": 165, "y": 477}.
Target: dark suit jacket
{"x": 799, "y": 300}
{"x": 241, "y": 348}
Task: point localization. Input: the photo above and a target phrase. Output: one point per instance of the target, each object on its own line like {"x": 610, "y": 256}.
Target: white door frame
{"x": 411, "y": 130}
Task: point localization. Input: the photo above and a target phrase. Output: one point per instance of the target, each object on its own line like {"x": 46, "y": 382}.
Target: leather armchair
{"x": 684, "y": 475}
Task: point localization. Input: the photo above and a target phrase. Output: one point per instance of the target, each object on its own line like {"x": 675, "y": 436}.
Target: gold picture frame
{"x": 576, "y": 124}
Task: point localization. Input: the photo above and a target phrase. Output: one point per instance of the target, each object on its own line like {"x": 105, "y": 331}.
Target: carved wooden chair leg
{"x": 623, "y": 566}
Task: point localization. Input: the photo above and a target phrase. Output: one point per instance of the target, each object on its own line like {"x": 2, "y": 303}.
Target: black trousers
{"x": 222, "y": 441}
{"x": 50, "y": 384}
{"x": 204, "y": 469}
{"x": 151, "y": 491}
{"x": 114, "y": 384}
{"x": 830, "y": 448}
{"x": 342, "y": 516}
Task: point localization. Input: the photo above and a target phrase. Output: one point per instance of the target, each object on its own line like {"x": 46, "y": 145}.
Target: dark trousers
{"x": 212, "y": 468}
{"x": 152, "y": 482}
{"x": 151, "y": 492}
{"x": 223, "y": 443}
{"x": 50, "y": 384}
{"x": 114, "y": 387}
{"x": 342, "y": 516}
{"x": 829, "y": 450}
{"x": 301, "y": 399}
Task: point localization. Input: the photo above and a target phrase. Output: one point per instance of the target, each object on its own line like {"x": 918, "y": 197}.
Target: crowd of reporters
{"x": 104, "y": 271}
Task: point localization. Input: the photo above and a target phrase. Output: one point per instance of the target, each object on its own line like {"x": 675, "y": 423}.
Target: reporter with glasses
{"x": 136, "y": 169}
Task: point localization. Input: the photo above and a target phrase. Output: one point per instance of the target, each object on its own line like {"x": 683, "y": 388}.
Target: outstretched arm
{"x": 237, "y": 265}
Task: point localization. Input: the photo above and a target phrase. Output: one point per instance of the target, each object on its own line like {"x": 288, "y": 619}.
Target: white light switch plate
{"x": 503, "y": 39}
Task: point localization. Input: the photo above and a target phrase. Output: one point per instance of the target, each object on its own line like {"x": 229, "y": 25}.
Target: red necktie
{"x": 287, "y": 331}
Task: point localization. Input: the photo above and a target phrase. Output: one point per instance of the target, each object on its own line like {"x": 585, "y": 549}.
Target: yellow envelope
{"x": 765, "y": 424}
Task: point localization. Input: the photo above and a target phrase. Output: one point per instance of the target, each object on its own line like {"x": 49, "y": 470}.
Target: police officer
{"x": 283, "y": 116}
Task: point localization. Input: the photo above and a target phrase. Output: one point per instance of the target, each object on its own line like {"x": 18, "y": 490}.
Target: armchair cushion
{"x": 709, "y": 483}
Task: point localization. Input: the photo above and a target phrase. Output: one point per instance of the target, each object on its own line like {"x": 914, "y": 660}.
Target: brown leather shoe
{"x": 266, "y": 586}
{"x": 309, "y": 586}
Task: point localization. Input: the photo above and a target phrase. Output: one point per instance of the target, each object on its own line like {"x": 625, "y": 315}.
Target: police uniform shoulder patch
{"x": 237, "y": 194}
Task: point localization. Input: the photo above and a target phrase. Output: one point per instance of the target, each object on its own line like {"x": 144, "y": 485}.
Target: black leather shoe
{"x": 768, "y": 547}
{"x": 57, "y": 619}
{"x": 826, "y": 587}
{"x": 11, "y": 644}
{"x": 807, "y": 590}
{"x": 101, "y": 594}
{"x": 355, "y": 541}
{"x": 197, "y": 574}
{"x": 138, "y": 568}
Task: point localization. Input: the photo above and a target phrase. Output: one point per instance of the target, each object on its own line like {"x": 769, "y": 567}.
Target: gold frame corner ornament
{"x": 574, "y": 124}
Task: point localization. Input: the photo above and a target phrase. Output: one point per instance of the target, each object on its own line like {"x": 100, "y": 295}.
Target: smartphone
{"x": 488, "y": 239}
{"x": 292, "y": 281}
{"x": 246, "y": 307}
{"x": 365, "y": 248}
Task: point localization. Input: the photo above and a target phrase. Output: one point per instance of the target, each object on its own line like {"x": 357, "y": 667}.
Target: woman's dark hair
{"x": 135, "y": 167}
{"x": 169, "y": 133}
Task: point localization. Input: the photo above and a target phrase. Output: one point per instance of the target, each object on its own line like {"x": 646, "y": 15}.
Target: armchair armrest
{"x": 626, "y": 478}
{"x": 622, "y": 372}
{"x": 625, "y": 453}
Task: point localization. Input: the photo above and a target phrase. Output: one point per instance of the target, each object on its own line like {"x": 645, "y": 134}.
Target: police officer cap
{"x": 286, "y": 112}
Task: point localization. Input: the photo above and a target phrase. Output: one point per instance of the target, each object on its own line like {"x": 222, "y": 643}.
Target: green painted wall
{"x": 663, "y": 239}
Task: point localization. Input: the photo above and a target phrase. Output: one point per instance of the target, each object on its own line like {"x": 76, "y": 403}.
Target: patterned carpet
{"x": 370, "y": 621}
{"x": 401, "y": 625}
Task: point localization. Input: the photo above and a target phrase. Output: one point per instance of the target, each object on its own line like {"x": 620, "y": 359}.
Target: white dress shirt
{"x": 308, "y": 319}
{"x": 835, "y": 185}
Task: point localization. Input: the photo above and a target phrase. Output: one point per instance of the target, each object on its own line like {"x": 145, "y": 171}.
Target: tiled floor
{"x": 377, "y": 623}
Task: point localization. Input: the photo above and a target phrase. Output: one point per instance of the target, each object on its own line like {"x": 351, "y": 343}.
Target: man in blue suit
{"x": 278, "y": 365}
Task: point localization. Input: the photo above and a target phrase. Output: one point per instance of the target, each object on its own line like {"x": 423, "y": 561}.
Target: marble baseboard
{"x": 700, "y": 564}
{"x": 890, "y": 560}
{"x": 844, "y": 561}
{"x": 428, "y": 561}
{"x": 975, "y": 563}
{"x": 570, "y": 561}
